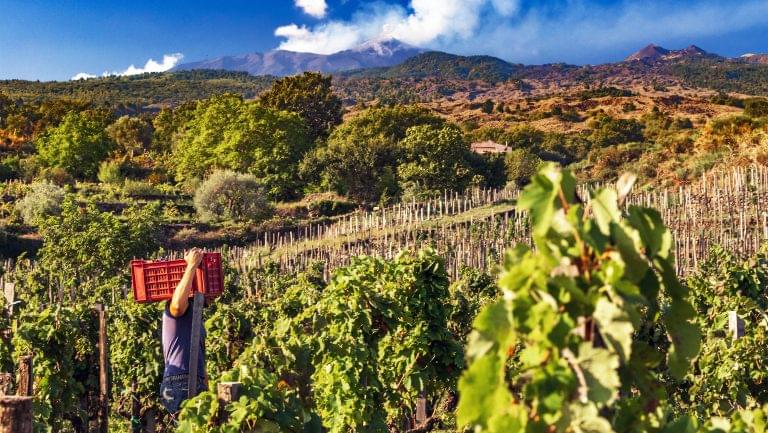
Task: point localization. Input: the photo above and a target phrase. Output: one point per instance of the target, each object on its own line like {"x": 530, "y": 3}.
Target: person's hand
{"x": 193, "y": 257}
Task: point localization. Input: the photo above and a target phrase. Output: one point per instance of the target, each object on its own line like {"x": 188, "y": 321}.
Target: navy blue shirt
{"x": 177, "y": 333}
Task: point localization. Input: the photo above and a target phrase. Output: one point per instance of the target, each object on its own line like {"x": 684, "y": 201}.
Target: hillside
{"x": 140, "y": 91}
{"x": 439, "y": 65}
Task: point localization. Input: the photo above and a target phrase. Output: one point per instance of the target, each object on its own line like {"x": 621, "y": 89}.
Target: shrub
{"x": 756, "y": 107}
{"x": 57, "y": 176}
{"x": 43, "y": 199}
{"x": 9, "y": 168}
{"x": 138, "y": 188}
{"x": 110, "y": 172}
{"x": 227, "y": 195}
{"x": 608, "y": 131}
{"x": 327, "y": 204}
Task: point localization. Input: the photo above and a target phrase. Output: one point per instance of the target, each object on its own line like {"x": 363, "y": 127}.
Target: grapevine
{"x": 569, "y": 312}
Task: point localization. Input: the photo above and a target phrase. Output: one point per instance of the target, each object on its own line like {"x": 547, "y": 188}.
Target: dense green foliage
{"x": 77, "y": 145}
{"x": 131, "y": 134}
{"x": 310, "y": 96}
{"x": 382, "y": 152}
{"x": 756, "y": 107}
{"x": 61, "y": 341}
{"x": 228, "y": 133}
{"x": 85, "y": 248}
{"x": 729, "y": 373}
{"x": 587, "y": 321}
{"x": 352, "y": 356}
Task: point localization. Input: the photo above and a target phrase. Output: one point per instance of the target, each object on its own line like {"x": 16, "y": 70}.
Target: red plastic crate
{"x": 155, "y": 280}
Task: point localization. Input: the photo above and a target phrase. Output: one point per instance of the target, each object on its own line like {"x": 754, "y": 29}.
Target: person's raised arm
{"x": 180, "y": 299}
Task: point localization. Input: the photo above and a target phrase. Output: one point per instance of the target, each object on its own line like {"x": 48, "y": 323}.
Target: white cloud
{"x": 569, "y": 30}
{"x": 169, "y": 61}
{"x": 82, "y": 76}
{"x": 421, "y": 23}
{"x": 315, "y": 8}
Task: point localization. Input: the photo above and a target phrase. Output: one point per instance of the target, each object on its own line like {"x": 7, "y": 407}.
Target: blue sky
{"x": 55, "y": 40}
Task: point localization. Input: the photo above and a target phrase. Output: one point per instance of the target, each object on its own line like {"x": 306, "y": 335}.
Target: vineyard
{"x": 392, "y": 320}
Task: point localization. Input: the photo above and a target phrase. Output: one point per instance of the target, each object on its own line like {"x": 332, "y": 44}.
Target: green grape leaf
{"x": 600, "y": 371}
{"x": 484, "y": 394}
{"x": 615, "y": 326}
{"x": 684, "y": 335}
{"x": 605, "y": 209}
{"x": 586, "y": 419}
{"x": 627, "y": 241}
{"x": 540, "y": 198}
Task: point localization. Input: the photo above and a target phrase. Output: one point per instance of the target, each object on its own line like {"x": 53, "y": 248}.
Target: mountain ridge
{"x": 654, "y": 53}
{"x": 370, "y": 54}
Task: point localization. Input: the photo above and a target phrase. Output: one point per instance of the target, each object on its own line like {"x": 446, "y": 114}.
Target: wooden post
{"x": 25, "y": 378}
{"x": 103, "y": 371}
{"x": 15, "y": 414}
{"x": 135, "y": 409}
{"x": 227, "y": 392}
{"x": 194, "y": 341}
{"x": 6, "y": 380}
{"x": 735, "y": 325}
{"x": 421, "y": 410}
{"x": 9, "y": 292}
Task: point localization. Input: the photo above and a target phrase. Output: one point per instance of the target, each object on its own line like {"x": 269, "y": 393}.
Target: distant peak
{"x": 650, "y": 51}
{"x": 654, "y": 52}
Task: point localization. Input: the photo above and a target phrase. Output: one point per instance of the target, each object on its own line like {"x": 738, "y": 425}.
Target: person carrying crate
{"x": 176, "y": 336}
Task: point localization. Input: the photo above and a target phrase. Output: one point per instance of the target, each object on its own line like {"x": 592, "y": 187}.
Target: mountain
{"x": 371, "y": 54}
{"x": 653, "y": 53}
{"x": 650, "y": 52}
{"x": 435, "y": 64}
{"x": 761, "y": 59}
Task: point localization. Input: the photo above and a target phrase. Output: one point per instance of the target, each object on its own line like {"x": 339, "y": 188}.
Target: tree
{"x": 86, "y": 247}
{"x": 226, "y": 132}
{"x": 608, "y": 131}
{"x": 362, "y": 155}
{"x": 311, "y": 96}
{"x": 435, "y": 159}
{"x": 132, "y": 134}
{"x": 227, "y": 195}
{"x": 169, "y": 122}
{"x": 487, "y": 106}
{"x": 521, "y": 165}
{"x": 77, "y": 145}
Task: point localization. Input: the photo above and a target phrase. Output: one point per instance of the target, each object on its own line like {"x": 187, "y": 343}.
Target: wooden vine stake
{"x": 15, "y": 414}
{"x": 25, "y": 378}
{"x": 735, "y": 325}
{"x": 226, "y": 392}
{"x": 421, "y": 410}
{"x": 6, "y": 380}
{"x": 194, "y": 341}
{"x": 103, "y": 371}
